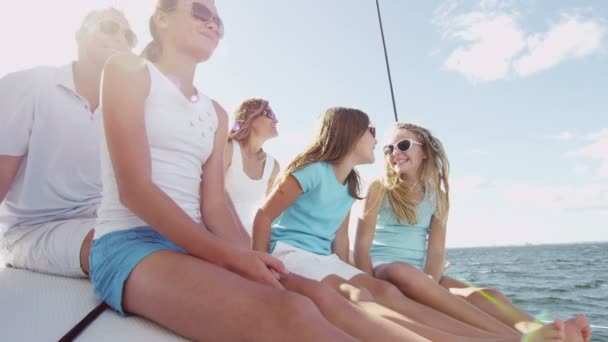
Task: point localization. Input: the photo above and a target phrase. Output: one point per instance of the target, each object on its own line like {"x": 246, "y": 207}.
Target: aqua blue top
{"x": 394, "y": 241}
{"x": 312, "y": 220}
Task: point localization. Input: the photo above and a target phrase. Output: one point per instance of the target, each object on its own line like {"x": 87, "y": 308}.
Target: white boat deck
{"x": 41, "y": 307}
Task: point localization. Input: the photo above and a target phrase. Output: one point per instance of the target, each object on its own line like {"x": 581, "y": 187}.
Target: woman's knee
{"x": 319, "y": 293}
{"x": 407, "y": 277}
{"x": 355, "y": 293}
{"x": 346, "y": 289}
{"x": 284, "y": 304}
{"x": 383, "y": 290}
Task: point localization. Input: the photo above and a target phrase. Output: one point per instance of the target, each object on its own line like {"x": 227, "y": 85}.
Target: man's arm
{"x": 9, "y": 165}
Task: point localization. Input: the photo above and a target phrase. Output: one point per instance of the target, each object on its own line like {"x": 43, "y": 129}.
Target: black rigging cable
{"x": 388, "y": 69}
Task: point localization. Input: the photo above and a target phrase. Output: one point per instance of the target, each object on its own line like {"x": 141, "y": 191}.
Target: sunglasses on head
{"x": 111, "y": 27}
{"x": 204, "y": 14}
{"x": 402, "y": 146}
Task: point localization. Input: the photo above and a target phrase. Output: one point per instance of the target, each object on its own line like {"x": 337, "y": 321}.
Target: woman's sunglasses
{"x": 372, "y": 130}
{"x": 402, "y": 146}
{"x": 204, "y": 14}
{"x": 270, "y": 114}
{"x": 111, "y": 27}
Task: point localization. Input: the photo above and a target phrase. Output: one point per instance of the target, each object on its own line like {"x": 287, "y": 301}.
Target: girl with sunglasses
{"x": 167, "y": 246}
{"x": 401, "y": 236}
{"x": 304, "y": 223}
{"x": 250, "y": 171}
{"x": 245, "y": 160}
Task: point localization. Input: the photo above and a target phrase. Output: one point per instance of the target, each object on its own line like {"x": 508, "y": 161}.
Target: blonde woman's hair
{"x": 434, "y": 179}
{"x": 154, "y": 49}
{"x": 339, "y": 130}
{"x": 243, "y": 118}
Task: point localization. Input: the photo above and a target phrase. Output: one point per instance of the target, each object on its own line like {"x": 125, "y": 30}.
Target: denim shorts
{"x": 114, "y": 256}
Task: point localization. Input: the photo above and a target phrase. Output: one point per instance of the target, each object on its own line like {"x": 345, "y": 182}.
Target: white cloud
{"x": 506, "y": 212}
{"x": 572, "y": 37}
{"x": 602, "y": 134}
{"x": 596, "y": 150}
{"x": 581, "y": 169}
{"x": 493, "y": 45}
{"x": 565, "y": 135}
{"x": 590, "y": 196}
{"x": 492, "y": 41}
{"x": 602, "y": 171}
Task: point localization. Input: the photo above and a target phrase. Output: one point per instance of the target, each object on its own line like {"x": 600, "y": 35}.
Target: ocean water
{"x": 546, "y": 281}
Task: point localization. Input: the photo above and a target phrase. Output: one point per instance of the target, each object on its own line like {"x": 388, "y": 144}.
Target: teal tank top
{"x": 394, "y": 241}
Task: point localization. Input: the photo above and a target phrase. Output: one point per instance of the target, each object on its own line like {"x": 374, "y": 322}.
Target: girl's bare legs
{"x": 202, "y": 301}
{"x": 500, "y": 307}
{"x": 491, "y": 301}
{"x": 435, "y": 332}
{"x": 388, "y": 295}
{"x": 416, "y": 285}
{"x": 346, "y": 315}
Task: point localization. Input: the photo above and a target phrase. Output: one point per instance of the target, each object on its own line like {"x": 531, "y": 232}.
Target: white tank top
{"x": 246, "y": 194}
{"x": 180, "y": 134}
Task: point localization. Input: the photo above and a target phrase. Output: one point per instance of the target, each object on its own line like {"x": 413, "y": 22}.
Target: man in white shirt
{"x": 50, "y": 125}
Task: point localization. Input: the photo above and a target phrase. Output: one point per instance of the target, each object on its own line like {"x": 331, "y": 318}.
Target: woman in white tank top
{"x": 250, "y": 171}
{"x": 167, "y": 246}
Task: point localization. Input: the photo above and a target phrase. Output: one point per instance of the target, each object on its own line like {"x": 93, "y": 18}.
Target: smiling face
{"x": 408, "y": 163}
{"x": 191, "y": 27}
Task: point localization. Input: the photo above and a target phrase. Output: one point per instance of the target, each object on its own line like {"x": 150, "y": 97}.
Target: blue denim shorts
{"x": 114, "y": 256}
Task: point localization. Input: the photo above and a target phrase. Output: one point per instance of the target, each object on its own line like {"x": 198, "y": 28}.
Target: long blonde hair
{"x": 243, "y": 118}
{"x": 339, "y": 130}
{"x": 434, "y": 178}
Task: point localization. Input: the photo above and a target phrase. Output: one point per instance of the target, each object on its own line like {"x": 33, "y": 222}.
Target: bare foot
{"x": 548, "y": 332}
{"x": 578, "y": 329}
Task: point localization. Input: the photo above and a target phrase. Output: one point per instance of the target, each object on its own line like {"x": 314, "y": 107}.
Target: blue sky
{"x": 514, "y": 89}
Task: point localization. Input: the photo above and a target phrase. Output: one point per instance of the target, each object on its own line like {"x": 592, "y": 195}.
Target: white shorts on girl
{"x": 383, "y": 262}
{"x": 312, "y": 266}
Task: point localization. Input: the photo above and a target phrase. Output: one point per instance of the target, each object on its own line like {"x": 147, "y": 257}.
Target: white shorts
{"x": 313, "y": 266}
{"x": 52, "y": 247}
{"x": 379, "y": 262}
{"x": 382, "y": 262}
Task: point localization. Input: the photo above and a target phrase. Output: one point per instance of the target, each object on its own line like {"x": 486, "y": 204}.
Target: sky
{"x": 512, "y": 88}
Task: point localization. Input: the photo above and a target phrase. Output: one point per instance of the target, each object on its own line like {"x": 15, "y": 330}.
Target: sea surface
{"x": 547, "y": 281}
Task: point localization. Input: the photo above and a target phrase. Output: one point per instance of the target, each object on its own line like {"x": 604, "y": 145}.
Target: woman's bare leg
{"x": 390, "y": 296}
{"x": 346, "y": 315}
{"x": 202, "y": 301}
{"x": 491, "y": 301}
{"x": 551, "y": 332}
{"x": 416, "y": 285}
{"x": 499, "y": 306}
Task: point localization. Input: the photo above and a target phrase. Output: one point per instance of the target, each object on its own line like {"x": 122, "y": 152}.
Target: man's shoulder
{"x": 36, "y": 74}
